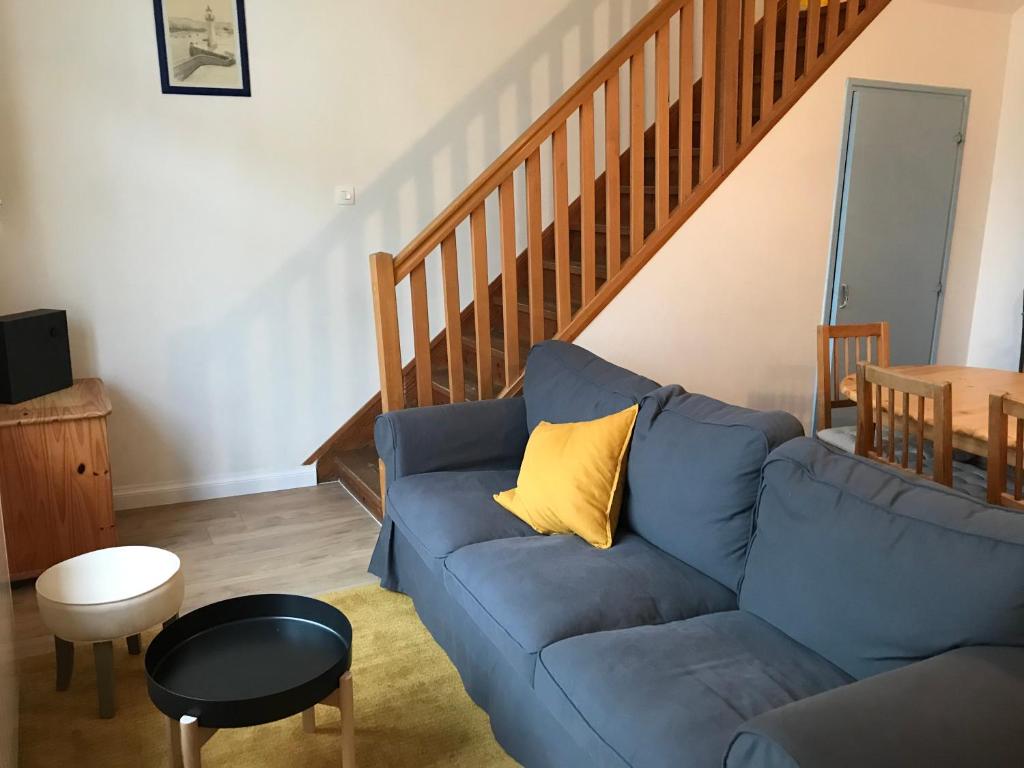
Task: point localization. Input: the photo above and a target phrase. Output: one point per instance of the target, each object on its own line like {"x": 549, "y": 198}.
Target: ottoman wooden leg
{"x": 174, "y": 737}
{"x": 341, "y": 698}
{"x": 348, "y": 734}
{"x": 309, "y": 720}
{"x": 193, "y": 736}
{"x": 65, "y": 652}
{"x": 134, "y": 644}
{"x": 104, "y": 654}
{"x": 170, "y": 621}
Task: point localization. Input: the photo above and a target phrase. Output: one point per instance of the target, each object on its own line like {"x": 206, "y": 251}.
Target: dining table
{"x": 971, "y": 389}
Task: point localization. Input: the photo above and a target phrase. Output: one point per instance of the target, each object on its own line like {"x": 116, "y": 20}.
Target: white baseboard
{"x": 157, "y": 494}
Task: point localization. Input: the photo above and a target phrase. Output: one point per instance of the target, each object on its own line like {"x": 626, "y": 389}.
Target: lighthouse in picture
{"x": 211, "y": 38}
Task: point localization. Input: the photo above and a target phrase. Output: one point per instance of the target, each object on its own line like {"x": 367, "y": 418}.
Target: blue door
{"x": 898, "y": 186}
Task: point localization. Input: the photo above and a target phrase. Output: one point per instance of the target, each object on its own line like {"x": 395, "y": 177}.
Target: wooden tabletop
{"x": 85, "y": 399}
{"x": 971, "y": 388}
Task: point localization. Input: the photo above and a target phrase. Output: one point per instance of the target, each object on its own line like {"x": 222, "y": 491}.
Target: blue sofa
{"x": 863, "y": 618}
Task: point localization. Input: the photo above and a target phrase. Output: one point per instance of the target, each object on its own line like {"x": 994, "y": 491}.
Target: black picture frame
{"x": 243, "y": 57}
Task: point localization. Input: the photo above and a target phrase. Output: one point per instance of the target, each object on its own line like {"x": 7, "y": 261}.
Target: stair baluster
{"x": 752, "y": 71}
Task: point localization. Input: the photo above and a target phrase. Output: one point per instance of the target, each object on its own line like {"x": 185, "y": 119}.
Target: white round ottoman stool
{"x": 103, "y": 596}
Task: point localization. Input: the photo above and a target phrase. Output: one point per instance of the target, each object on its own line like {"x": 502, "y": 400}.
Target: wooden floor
{"x": 305, "y": 541}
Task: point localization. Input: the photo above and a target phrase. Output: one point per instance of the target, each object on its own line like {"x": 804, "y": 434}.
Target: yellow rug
{"x": 410, "y": 708}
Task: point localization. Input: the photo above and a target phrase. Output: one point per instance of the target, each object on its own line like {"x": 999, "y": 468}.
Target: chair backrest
{"x": 1002, "y": 408}
{"x": 931, "y": 417}
{"x": 840, "y": 348}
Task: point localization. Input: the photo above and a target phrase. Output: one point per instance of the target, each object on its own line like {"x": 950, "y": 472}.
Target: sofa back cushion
{"x": 693, "y": 473}
{"x": 565, "y": 383}
{"x": 874, "y": 569}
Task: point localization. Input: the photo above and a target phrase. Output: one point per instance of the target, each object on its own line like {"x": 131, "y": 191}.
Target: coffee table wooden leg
{"x": 193, "y": 736}
{"x": 309, "y": 720}
{"x": 348, "y": 730}
{"x": 134, "y": 644}
{"x": 104, "y": 654}
{"x": 174, "y": 737}
{"x": 65, "y": 653}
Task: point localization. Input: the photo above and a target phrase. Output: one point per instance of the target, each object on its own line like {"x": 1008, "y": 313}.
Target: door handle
{"x": 844, "y": 295}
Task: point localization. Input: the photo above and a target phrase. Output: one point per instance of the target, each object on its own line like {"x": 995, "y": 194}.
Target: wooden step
{"x": 442, "y": 394}
{"x": 576, "y": 268}
{"x": 650, "y": 190}
{"x": 550, "y": 311}
{"x": 498, "y": 378}
{"x": 497, "y": 343}
{"x": 602, "y": 229}
{"x": 358, "y": 472}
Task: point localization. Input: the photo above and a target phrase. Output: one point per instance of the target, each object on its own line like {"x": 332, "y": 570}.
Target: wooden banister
{"x": 659, "y": 166}
{"x": 661, "y": 124}
{"x": 708, "y": 89}
{"x": 637, "y": 122}
{"x": 534, "y": 136}
{"x": 613, "y": 211}
{"x": 686, "y": 55}
{"x": 385, "y": 311}
{"x": 729, "y": 47}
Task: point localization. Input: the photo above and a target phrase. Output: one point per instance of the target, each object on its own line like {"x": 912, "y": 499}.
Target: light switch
{"x": 344, "y": 195}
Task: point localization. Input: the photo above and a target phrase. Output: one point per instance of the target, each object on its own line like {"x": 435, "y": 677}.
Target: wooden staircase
{"x": 659, "y": 169}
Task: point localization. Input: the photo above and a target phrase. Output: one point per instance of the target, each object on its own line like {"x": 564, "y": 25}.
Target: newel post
{"x": 389, "y": 345}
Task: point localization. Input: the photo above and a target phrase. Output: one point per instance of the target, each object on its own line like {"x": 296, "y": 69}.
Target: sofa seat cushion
{"x": 443, "y": 511}
{"x": 527, "y": 593}
{"x": 674, "y": 694}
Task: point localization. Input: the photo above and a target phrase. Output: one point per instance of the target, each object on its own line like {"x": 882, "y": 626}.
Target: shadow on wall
{"x": 322, "y": 291}
{"x": 81, "y": 329}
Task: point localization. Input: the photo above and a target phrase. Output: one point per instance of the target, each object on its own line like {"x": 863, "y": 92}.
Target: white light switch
{"x": 344, "y": 195}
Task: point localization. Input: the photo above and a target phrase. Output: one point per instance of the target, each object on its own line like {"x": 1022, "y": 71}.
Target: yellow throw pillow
{"x": 571, "y": 477}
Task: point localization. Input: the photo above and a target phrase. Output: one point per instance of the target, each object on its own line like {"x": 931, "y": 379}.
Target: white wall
{"x": 208, "y": 276}
{"x": 996, "y": 331}
{"x": 728, "y": 307}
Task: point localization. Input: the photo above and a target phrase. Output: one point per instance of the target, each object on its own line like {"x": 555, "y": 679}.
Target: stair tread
{"x": 497, "y": 343}
{"x": 358, "y": 473}
{"x": 550, "y": 309}
{"x": 575, "y": 268}
{"x": 440, "y": 381}
{"x": 650, "y": 189}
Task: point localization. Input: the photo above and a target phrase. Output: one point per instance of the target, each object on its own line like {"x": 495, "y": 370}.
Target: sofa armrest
{"x": 440, "y": 437}
{"x": 965, "y": 707}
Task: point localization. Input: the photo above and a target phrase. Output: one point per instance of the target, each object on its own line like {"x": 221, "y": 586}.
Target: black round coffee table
{"x": 248, "y": 661}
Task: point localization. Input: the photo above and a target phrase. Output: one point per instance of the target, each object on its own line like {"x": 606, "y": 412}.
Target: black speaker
{"x": 34, "y": 355}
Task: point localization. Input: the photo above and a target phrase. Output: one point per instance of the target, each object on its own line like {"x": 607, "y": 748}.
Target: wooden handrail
{"x": 542, "y": 129}
{"x": 718, "y": 119}
{"x": 690, "y": 204}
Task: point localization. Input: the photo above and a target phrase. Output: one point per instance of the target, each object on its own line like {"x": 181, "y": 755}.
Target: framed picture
{"x": 202, "y": 47}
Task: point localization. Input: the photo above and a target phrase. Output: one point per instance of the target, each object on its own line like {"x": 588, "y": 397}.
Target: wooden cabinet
{"x": 8, "y": 668}
{"x": 55, "y": 477}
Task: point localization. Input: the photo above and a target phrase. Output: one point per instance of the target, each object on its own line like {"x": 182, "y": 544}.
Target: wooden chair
{"x": 1001, "y": 408}
{"x": 878, "y": 422}
{"x": 840, "y": 348}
